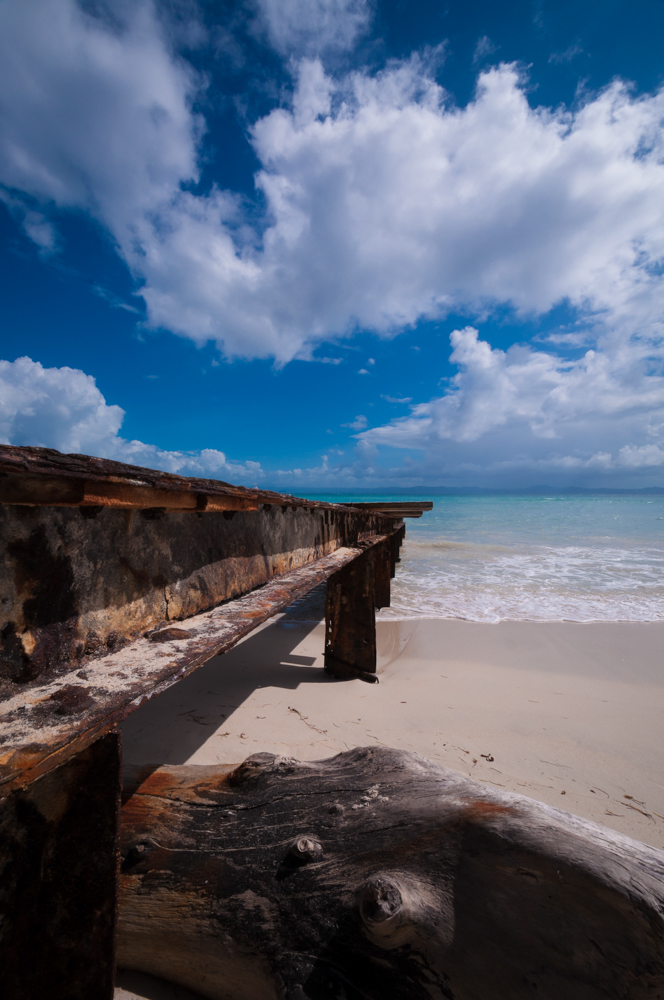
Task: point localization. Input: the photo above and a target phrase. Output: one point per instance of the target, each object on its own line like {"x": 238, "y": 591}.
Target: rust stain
{"x": 169, "y": 635}
{"x": 71, "y": 699}
{"x": 82, "y": 586}
{"x": 485, "y": 810}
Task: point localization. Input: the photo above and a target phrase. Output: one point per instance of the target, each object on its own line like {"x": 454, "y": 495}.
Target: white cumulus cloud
{"x": 385, "y": 203}
{"x": 358, "y": 424}
{"x": 526, "y": 410}
{"x": 312, "y": 27}
{"x": 393, "y": 208}
{"x": 62, "y": 408}
{"x": 94, "y": 115}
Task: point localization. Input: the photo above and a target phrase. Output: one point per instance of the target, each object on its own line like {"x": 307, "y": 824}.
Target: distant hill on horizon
{"x": 487, "y": 491}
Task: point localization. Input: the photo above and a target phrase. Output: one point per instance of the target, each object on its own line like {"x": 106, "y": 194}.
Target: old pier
{"x": 117, "y": 582}
{"x": 373, "y": 874}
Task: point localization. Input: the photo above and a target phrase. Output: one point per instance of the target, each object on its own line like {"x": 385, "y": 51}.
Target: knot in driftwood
{"x": 260, "y": 765}
{"x": 379, "y": 900}
{"x": 389, "y": 911}
{"x": 305, "y": 849}
{"x": 138, "y": 853}
{"x": 430, "y": 886}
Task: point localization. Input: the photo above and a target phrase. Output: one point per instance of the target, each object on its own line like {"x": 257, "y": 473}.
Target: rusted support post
{"x": 396, "y": 541}
{"x": 58, "y": 883}
{"x": 382, "y": 559}
{"x": 350, "y": 621}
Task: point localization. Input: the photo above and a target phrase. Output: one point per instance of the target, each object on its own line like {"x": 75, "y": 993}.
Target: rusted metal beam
{"x": 43, "y": 476}
{"x": 382, "y": 560}
{"x": 350, "y": 621}
{"x": 77, "y": 583}
{"x": 396, "y": 508}
{"x": 47, "y": 723}
{"x": 60, "y": 491}
{"x": 396, "y": 540}
{"x": 58, "y": 884}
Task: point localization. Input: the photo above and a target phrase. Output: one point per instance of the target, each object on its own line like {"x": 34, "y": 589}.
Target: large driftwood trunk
{"x": 378, "y": 874}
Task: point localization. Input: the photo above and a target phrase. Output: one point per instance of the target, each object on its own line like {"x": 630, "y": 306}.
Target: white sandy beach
{"x": 570, "y": 714}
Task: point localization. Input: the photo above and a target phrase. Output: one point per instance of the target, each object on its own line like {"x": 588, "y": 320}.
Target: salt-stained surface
{"x": 43, "y": 718}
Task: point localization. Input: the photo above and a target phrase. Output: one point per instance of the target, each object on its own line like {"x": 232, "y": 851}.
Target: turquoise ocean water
{"x": 534, "y": 558}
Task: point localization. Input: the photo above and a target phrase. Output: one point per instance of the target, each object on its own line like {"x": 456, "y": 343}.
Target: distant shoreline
{"x": 464, "y": 491}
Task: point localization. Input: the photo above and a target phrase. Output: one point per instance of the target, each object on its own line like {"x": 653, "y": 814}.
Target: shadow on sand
{"x": 171, "y": 727}
{"x": 174, "y": 725}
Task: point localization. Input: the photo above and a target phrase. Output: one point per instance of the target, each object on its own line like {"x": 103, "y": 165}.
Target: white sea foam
{"x": 529, "y": 558}
{"x": 543, "y": 583}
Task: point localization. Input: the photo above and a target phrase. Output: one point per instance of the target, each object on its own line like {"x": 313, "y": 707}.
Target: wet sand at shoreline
{"x": 570, "y": 714}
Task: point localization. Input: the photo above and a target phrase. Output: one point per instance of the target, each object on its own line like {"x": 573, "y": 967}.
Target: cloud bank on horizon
{"x": 380, "y": 204}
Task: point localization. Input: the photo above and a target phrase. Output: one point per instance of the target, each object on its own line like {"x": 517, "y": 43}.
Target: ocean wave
{"x": 553, "y": 558}
{"x": 541, "y": 583}
{"x": 445, "y": 544}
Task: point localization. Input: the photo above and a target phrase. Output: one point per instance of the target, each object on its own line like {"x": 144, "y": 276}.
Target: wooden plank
{"x": 47, "y": 723}
{"x": 60, "y": 491}
{"x": 46, "y": 463}
{"x": 58, "y": 887}
{"x": 350, "y": 621}
{"x": 393, "y": 505}
{"x": 211, "y": 502}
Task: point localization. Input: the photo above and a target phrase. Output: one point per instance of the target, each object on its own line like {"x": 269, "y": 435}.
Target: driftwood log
{"x": 378, "y": 874}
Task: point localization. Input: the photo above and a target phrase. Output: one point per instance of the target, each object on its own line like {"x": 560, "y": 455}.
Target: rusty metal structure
{"x": 116, "y": 583}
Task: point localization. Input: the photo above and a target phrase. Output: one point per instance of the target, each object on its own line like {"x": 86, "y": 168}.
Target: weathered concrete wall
{"x": 76, "y": 582}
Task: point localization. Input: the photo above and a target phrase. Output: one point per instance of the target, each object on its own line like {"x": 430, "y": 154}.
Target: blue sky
{"x": 336, "y": 244}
